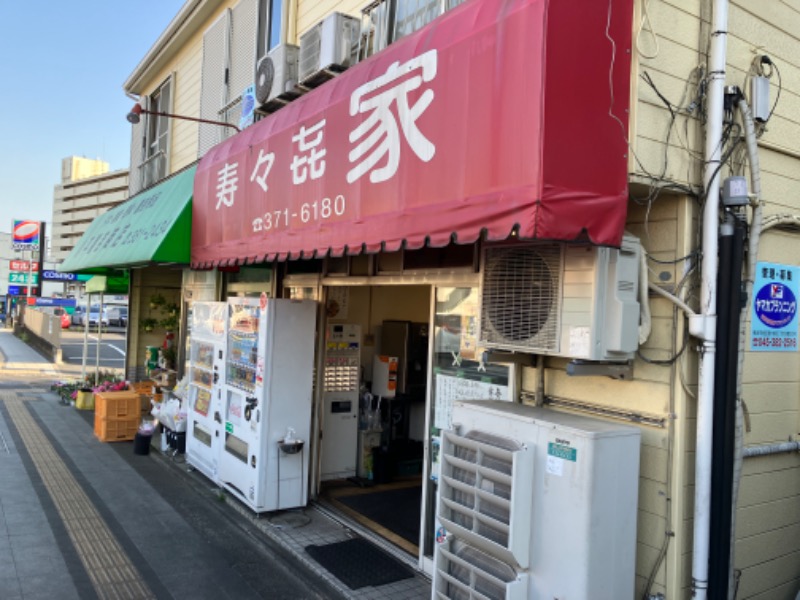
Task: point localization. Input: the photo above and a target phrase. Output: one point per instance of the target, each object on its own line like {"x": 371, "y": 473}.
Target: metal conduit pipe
{"x": 703, "y": 326}
{"x": 767, "y": 449}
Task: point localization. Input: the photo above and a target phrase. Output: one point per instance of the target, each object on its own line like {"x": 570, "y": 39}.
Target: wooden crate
{"x": 118, "y": 405}
{"x": 115, "y": 430}
{"x": 142, "y": 387}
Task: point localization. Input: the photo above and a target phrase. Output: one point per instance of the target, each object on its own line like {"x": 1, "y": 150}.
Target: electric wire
{"x": 675, "y": 367}
{"x": 653, "y": 34}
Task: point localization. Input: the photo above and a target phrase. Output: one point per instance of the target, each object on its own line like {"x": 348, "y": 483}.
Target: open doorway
{"x": 373, "y": 407}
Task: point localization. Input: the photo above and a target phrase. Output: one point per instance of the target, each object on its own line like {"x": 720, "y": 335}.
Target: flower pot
{"x": 85, "y": 400}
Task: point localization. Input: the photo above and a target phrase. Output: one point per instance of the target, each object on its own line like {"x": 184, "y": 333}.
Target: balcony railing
{"x": 152, "y": 170}
{"x": 385, "y": 21}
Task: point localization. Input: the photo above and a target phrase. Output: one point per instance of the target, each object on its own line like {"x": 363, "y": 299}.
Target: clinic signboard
{"x": 25, "y": 235}
{"x": 773, "y": 315}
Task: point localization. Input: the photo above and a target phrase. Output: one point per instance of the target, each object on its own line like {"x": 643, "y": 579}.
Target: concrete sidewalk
{"x": 108, "y": 523}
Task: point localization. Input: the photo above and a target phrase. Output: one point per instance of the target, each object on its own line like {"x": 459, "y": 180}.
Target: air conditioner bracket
{"x": 623, "y": 370}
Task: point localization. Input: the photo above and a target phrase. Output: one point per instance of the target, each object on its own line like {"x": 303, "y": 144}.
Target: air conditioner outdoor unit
{"x": 276, "y": 76}
{"x": 464, "y": 572}
{"x": 564, "y": 300}
{"x": 328, "y": 48}
{"x": 535, "y": 503}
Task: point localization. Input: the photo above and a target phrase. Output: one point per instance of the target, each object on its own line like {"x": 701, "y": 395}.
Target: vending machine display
{"x": 267, "y": 401}
{"x": 341, "y": 378}
{"x": 206, "y": 365}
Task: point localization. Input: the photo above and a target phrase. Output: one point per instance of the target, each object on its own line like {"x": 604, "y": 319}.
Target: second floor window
{"x": 270, "y": 21}
{"x": 158, "y": 125}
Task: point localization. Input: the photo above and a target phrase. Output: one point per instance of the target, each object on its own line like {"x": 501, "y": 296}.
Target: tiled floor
{"x": 86, "y": 524}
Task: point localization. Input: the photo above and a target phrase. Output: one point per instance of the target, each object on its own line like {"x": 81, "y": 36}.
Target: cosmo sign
{"x": 773, "y": 317}
{"x": 25, "y": 235}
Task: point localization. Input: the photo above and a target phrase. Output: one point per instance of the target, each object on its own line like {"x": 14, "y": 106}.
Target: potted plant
{"x": 157, "y": 300}
{"x": 169, "y": 323}
{"x": 169, "y": 356}
{"x": 148, "y": 324}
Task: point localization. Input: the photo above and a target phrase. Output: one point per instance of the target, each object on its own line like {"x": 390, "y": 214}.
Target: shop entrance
{"x": 373, "y": 407}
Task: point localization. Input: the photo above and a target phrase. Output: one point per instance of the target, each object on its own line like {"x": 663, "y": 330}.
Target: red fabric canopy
{"x": 500, "y": 114}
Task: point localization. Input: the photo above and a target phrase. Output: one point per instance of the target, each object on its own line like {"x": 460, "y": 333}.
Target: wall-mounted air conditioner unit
{"x": 328, "y": 48}
{"x": 564, "y": 300}
{"x": 535, "y": 503}
{"x": 276, "y": 77}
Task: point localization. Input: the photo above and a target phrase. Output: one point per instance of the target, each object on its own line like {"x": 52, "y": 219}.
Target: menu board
{"x": 450, "y": 388}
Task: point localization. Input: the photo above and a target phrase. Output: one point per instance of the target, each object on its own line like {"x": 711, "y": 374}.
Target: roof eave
{"x": 192, "y": 15}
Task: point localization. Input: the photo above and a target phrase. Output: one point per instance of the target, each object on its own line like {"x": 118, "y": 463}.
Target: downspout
{"x": 756, "y": 225}
{"x": 703, "y": 326}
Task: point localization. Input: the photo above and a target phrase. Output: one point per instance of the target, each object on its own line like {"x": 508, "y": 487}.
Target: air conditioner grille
{"x": 481, "y": 496}
{"x": 310, "y": 48}
{"x": 520, "y": 297}
{"x": 467, "y": 573}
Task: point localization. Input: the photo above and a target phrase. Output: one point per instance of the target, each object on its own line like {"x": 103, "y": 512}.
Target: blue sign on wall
{"x": 773, "y": 316}
{"x": 56, "y": 276}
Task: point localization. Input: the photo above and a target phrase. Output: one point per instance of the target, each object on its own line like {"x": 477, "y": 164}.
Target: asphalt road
{"x": 111, "y": 346}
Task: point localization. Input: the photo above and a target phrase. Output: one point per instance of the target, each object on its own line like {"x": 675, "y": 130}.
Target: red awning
{"x": 500, "y": 114}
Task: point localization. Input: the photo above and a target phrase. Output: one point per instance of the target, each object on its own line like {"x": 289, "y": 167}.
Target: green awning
{"x": 107, "y": 285}
{"x": 154, "y": 227}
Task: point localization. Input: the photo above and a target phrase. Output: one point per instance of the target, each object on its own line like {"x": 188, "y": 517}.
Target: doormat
{"x": 358, "y": 563}
{"x": 397, "y": 510}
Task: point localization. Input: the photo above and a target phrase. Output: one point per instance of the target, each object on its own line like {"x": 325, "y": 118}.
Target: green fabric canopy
{"x": 108, "y": 285}
{"x": 152, "y": 227}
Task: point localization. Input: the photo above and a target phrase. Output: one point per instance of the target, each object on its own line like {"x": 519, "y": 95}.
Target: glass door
{"x": 458, "y": 371}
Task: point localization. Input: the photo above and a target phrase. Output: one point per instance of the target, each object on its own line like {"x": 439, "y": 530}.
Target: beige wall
{"x": 767, "y": 546}
{"x": 144, "y": 284}
{"x": 311, "y": 12}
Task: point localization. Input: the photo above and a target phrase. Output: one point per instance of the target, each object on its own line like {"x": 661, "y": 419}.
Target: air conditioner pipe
{"x": 729, "y": 304}
{"x": 703, "y": 326}
{"x": 767, "y": 449}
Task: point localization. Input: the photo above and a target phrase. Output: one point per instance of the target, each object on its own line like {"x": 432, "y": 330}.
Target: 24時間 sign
{"x": 25, "y": 235}
{"x": 773, "y": 316}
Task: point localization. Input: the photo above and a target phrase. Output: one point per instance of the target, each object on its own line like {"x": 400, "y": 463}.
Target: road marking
{"x": 110, "y": 570}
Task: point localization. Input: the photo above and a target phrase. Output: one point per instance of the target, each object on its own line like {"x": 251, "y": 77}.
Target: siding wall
{"x": 767, "y": 546}
{"x": 655, "y": 391}
{"x": 311, "y": 12}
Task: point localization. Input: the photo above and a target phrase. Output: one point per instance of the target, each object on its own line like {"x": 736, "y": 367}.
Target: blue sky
{"x": 62, "y": 66}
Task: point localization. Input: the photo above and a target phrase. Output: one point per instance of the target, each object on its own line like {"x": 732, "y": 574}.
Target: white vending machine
{"x": 267, "y": 401}
{"x": 206, "y": 372}
{"x": 341, "y": 377}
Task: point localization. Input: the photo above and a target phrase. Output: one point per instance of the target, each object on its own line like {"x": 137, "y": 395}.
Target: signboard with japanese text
{"x": 23, "y": 266}
{"x": 773, "y": 316}
{"x": 17, "y": 290}
{"x": 25, "y": 235}
{"x": 248, "y": 107}
{"x": 23, "y": 278}
{"x": 57, "y": 276}
{"x": 464, "y": 127}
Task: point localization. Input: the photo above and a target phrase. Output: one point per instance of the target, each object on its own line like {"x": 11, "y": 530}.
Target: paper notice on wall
{"x": 579, "y": 339}
{"x": 555, "y": 466}
{"x": 449, "y": 389}
{"x": 338, "y": 301}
